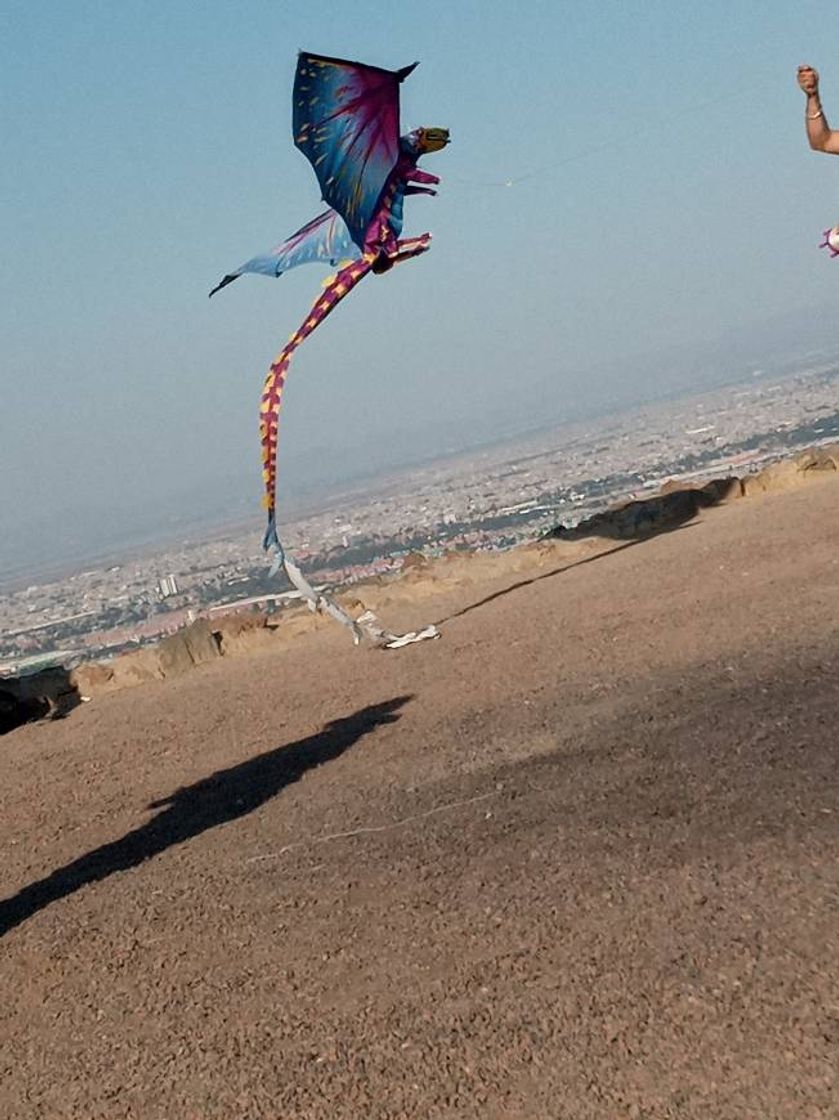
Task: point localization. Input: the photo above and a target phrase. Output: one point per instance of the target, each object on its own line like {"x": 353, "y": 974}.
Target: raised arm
{"x": 819, "y": 133}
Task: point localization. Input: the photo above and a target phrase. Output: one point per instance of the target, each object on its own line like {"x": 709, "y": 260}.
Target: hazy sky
{"x": 668, "y": 197}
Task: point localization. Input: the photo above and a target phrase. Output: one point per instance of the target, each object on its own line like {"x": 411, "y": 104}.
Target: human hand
{"x": 808, "y": 80}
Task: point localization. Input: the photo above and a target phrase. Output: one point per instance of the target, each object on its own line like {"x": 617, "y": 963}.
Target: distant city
{"x": 485, "y": 500}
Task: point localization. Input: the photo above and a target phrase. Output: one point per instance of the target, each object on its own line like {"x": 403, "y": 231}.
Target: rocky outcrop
{"x": 724, "y": 489}
{"x": 51, "y": 692}
{"x": 677, "y": 502}
{"x": 243, "y": 633}
{"x": 129, "y": 669}
{"x": 674, "y": 505}
{"x": 194, "y": 645}
{"x": 201, "y": 642}
{"x": 789, "y": 473}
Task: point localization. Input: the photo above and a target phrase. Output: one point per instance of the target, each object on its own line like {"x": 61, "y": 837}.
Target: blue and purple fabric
{"x": 324, "y": 240}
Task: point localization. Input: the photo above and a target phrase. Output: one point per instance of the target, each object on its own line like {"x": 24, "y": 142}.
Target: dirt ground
{"x": 577, "y": 859}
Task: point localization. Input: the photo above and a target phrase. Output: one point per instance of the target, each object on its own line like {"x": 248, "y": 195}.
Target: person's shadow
{"x": 223, "y": 796}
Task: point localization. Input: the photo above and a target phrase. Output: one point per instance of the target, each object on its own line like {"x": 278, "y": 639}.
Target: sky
{"x": 662, "y": 200}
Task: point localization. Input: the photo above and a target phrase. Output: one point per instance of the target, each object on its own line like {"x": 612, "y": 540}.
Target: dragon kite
{"x": 346, "y": 122}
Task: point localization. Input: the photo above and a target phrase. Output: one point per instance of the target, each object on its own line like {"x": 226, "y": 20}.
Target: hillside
{"x": 576, "y": 859}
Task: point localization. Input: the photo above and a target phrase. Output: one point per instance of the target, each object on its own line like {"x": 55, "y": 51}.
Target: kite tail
{"x": 334, "y": 289}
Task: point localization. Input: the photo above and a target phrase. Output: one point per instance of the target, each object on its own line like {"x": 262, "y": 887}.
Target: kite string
{"x": 615, "y": 141}
{"x": 368, "y": 830}
{"x": 596, "y": 149}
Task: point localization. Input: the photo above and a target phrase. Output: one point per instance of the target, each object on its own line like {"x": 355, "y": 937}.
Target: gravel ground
{"x": 578, "y": 859}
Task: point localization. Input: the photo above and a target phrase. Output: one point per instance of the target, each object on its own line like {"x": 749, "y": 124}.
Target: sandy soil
{"x": 578, "y": 859}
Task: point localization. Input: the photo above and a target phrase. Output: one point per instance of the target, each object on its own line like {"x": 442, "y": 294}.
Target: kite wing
{"x": 325, "y": 238}
{"x": 346, "y": 123}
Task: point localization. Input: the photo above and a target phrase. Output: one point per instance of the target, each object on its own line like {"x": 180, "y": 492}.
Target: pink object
{"x": 831, "y": 241}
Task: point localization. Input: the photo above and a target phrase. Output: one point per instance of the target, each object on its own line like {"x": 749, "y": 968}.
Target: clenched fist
{"x": 808, "y": 80}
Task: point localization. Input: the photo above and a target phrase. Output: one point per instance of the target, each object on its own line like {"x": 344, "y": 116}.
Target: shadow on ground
{"x": 555, "y": 572}
{"x": 633, "y": 523}
{"x": 222, "y": 797}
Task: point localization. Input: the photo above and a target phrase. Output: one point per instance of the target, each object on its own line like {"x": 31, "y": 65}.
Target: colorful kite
{"x": 346, "y": 123}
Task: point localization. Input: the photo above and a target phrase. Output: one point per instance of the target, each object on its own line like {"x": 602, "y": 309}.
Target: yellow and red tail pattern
{"x": 334, "y": 289}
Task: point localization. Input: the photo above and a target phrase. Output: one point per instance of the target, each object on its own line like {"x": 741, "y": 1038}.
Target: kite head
{"x": 423, "y": 140}
{"x": 831, "y": 241}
